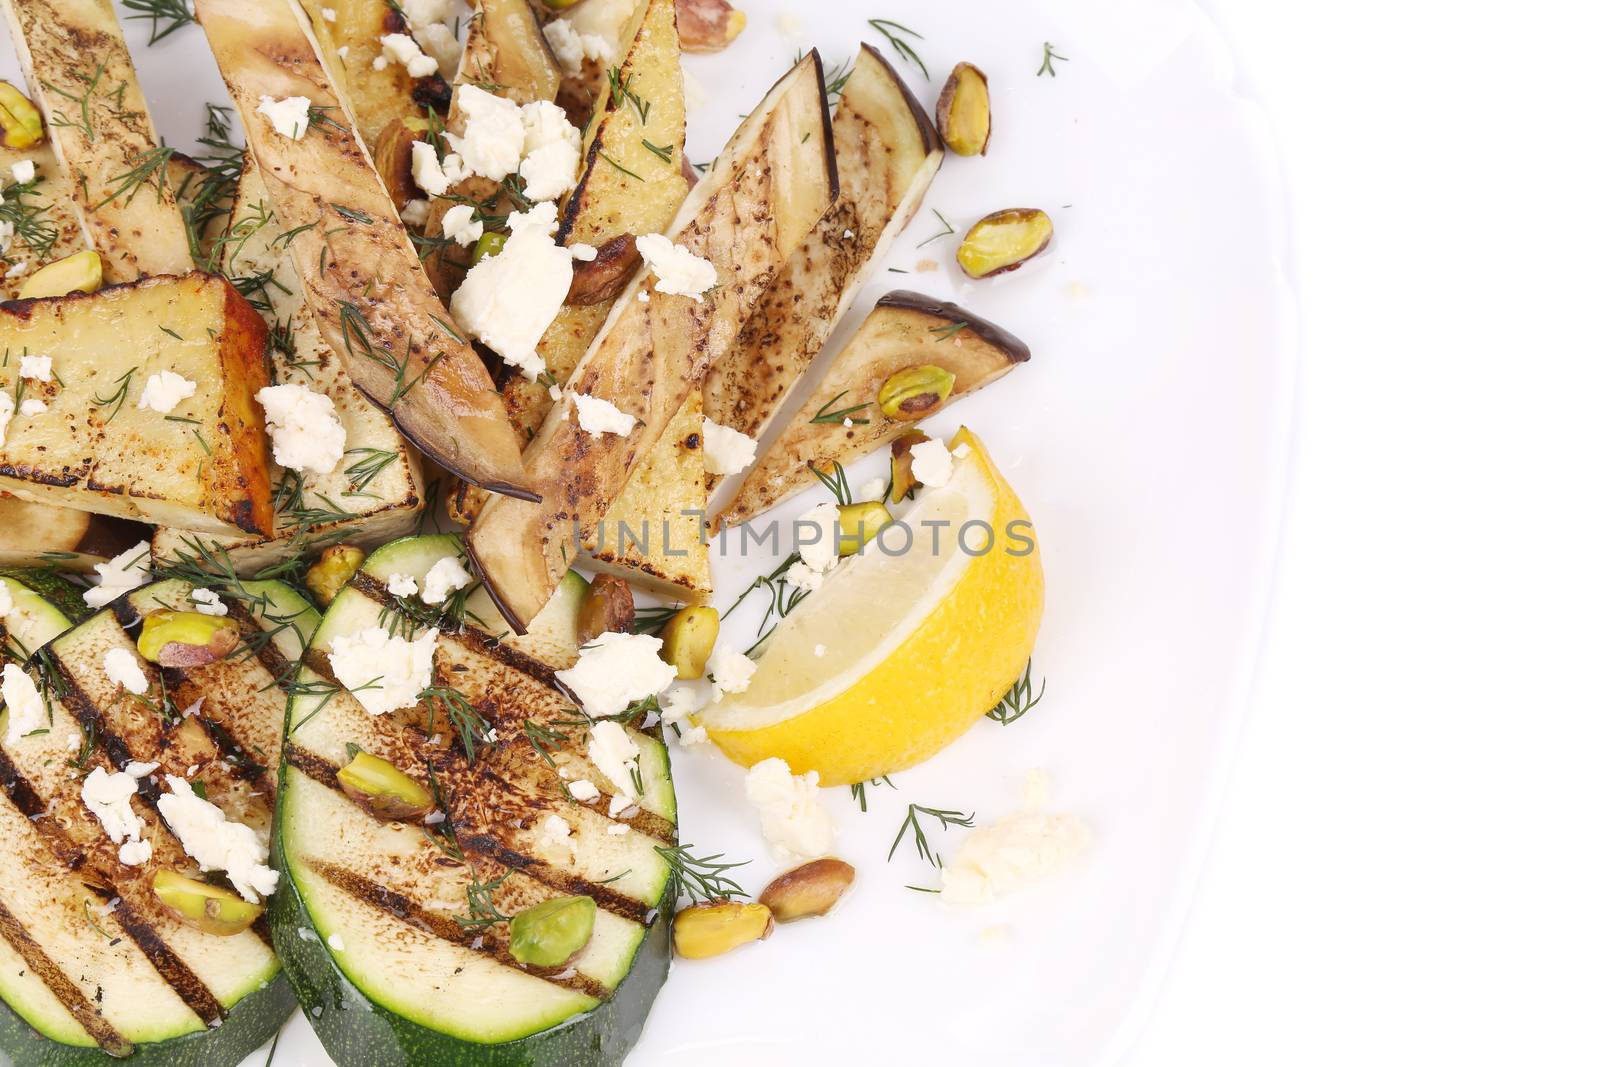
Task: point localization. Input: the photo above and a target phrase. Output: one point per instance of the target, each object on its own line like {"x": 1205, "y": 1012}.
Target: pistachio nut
{"x": 202, "y": 905}
{"x": 186, "y": 638}
{"x": 706, "y": 930}
{"x": 22, "y": 124}
{"x": 810, "y": 889}
{"x": 687, "y": 639}
{"x": 384, "y": 789}
{"x": 859, "y": 524}
{"x": 901, "y": 480}
{"x": 329, "y": 574}
{"x": 1003, "y": 241}
{"x": 489, "y": 245}
{"x": 607, "y": 607}
{"x": 553, "y": 932}
{"x": 80, "y": 272}
{"x": 964, "y": 111}
{"x": 915, "y": 392}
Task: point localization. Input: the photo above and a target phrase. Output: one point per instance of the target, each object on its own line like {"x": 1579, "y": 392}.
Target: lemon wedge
{"x": 905, "y": 645}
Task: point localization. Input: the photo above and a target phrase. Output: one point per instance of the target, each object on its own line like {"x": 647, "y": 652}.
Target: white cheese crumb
{"x": 8, "y": 230}
{"x": 138, "y": 769}
{"x": 305, "y": 429}
{"x": 344, "y": 51}
{"x": 793, "y": 819}
{"x": 803, "y": 577}
{"x": 426, "y": 12}
{"x": 8, "y": 405}
{"x": 401, "y": 585}
{"x": 207, "y": 602}
{"x": 694, "y": 735}
{"x": 291, "y": 116}
{"x": 432, "y": 176}
{"x": 617, "y": 828}
{"x": 122, "y": 668}
{"x": 119, "y": 574}
{"x": 383, "y": 671}
{"x": 819, "y": 651}
{"x": 680, "y": 702}
{"x": 415, "y": 213}
{"x": 615, "y": 754}
{"x": 873, "y": 489}
{"x": 164, "y": 390}
{"x": 1014, "y": 852}
{"x": 401, "y": 48}
{"x": 931, "y": 463}
{"x": 584, "y": 791}
{"x": 21, "y": 266}
{"x": 730, "y": 669}
{"x": 849, "y": 422}
{"x": 329, "y": 15}
{"x": 459, "y": 226}
{"x": 622, "y": 806}
{"x": 678, "y": 270}
{"x": 726, "y": 450}
{"x": 35, "y": 367}
{"x": 508, "y": 300}
{"x": 599, "y": 416}
{"x": 572, "y": 46}
{"x": 444, "y": 578}
{"x": 336, "y": 942}
{"x": 108, "y": 796}
{"x": 215, "y": 843}
{"x": 439, "y": 41}
{"x": 820, "y": 523}
{"x": 492, "y": 134}
{"x": 614, "y": 670}
{"x": 583, "y": 253}
{"x": 555, "y": 829}
{"x": 134, "y": 853}
{"x": 22, "y": 172}
{"x": 555, "y": 394}
{"x": 33, "y": 406}
{"x": 24, "y": 706}
{"x": 551, "y": 150}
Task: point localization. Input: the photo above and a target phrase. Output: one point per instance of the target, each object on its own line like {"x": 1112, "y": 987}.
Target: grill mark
{"x": 184, "y": 982}
{"x": 70, "y": 996}
{"x": 313, "y": 766}
{"x": 445, "y": 928}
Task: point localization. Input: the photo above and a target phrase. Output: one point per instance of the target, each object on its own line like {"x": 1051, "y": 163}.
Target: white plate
{"x": 1147, "y": 437}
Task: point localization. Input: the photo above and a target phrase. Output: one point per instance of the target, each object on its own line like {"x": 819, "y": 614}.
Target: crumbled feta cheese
{"x": 329, "y": 15}
{"x": 793, "y": 819}
{"x": 730, "y": 669}
{"x": 572, "y": 47}
{"x": 415, "y": 213}
{"x": 678, "y": 270}
{"x": 617, "y": 828}
{"x": 215, "y": 843}
{"x": 122, "y": 668}
{"x": 583, "y": 253}
{"x": 343, "y": 51}
{"x": 138, "y": 769}
{"x": 335, "y": 942}
{"x": 726, "y": 450}
{"x": 873, "y": 489}
{"x": 401, "y": 585}
{"x": 819, "y": 651}
{"x": 1014, "y": 852}
{"x": 555, "y": 829}
{"x": 439, "y": 41}
{"x": 820, "y": 549}
{"x": 8, "y": 405}
{"x": 33, "y": 406}
{"x": 305, "y": 429}
{"x": 431, "y": 175}
{"x": 108, "y": 796}
{"x": 680, "y": 702}
{"x": 164, "y": 390}
{"x": 207, "y": 602}
{"x": 35, "y": 367}
{"x": 931, "y": 463}
{"x": 426, "y": 12}
{"x": 444, "y": 578}
{"x": 22, "y": 172}
{"x": 599, "y": 416}
{"x": 491, "y": 139}
{"x": 803, "y": 577}
{"x": 383, "y": 671}
{"x": 290, "y": 116}
{"x": 694, "y": 735}
{"x": 552, "y": 147}
{"x": 401, "y": 48}
{"x": 622, "y": 806}
{"x": 615, "y": 754}
{"x": 458, "y": 225}
{"x": 119, "y": 574}
{"x": 24, "y": 706}
{"x": 21, "y": 266}
{"x": 507, "y": 301}
{"x": 583, "y": 791}
{"x": 134, "y": 853}
{"x": 614, "y": 670}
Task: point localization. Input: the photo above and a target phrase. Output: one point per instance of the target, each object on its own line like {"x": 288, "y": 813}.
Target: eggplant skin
{"x": 358, "y": 1033}
{"x": 250, "y": 1023}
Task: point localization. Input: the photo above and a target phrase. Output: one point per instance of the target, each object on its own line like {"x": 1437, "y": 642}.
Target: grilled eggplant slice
{"x": 93, "y": 962}
{"x": 610, "y": 203}
{"x": 202, "y": 466}
{"x": 373, "y": 495}
{"x": 766, "y": 191}
{"x": 392, "y": 975}
{"x": 888, "y": 156}
{"x": 363, "y": 282}
{"x": 61, "y": 539}
{"x": 77, "y": 65}
{"x": 905, "y": 330}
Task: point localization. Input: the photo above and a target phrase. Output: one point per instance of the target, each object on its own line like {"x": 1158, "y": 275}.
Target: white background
{"x": 1405, "y": 869}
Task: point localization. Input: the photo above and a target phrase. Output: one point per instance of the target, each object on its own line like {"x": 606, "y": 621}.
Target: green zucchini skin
{"x": 249, "y": 1025}
{"x": 62, "y": 594}
{"x": 358, "y": 1033}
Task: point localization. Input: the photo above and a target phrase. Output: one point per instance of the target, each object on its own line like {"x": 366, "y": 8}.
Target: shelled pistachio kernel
{"x": 80, "y": 272}
{"x": 705, "y": 930}
{"x": 330, "y": 573}
{"x": 1004, "y": 240}
{"x": 916, "y": 392}
{"x": 205, "y": 906}
{"x": 384, "y": 789}
{"x": 859, "y": 524}
{"x": 22, "y": 124}
{"x": 901, "y": 480}
{"x": 964, "y": 112}
{"x": 552, "y": 932}
{"x": 606, "y": 607}
{"x": 186, "y": 638}
{"x": 687, "y": 640}
{"x": 489, "y": 245}
{"x": 810, "y": 889}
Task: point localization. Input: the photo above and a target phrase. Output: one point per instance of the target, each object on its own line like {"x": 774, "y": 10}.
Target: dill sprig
{"x": 661, "y": 152}
{"x": 362, "y": 473}
{"x": 1048, "y": 66}
{"x": 946, "y": 232}
{"x": 830, "y": 414}
{"x": 622, "y": 90}
{"x": 696, "y": 877}
{"x": 653, "y": 620}
{"x": 946, "y": 819}
{"x": 83, "y": 121}
{"x": 944, "y": 333}
{"x": 149, "y": 168}
{"x": 1018, "y": 700}
{"x": 901, "y": 45}
{"x": 118, "y": 397}
{"x": 782, "y": 598}
{"x": 835, "y": 482}
{"x": 481, "y": 910}
{"x": 469, "y": 724}
{"x": 619, "y": 166}
{"x": 858, "y": 792}
{"x": 29, "y": 222}
{"x": 165, "y": 16}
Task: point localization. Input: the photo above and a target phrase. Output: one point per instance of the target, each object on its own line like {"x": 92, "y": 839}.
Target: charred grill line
{"x": 184, "y": 982}
{"x": 445, "y": 928}
{"x": 543, "y": 872}
{"x": 70, "y": 996}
